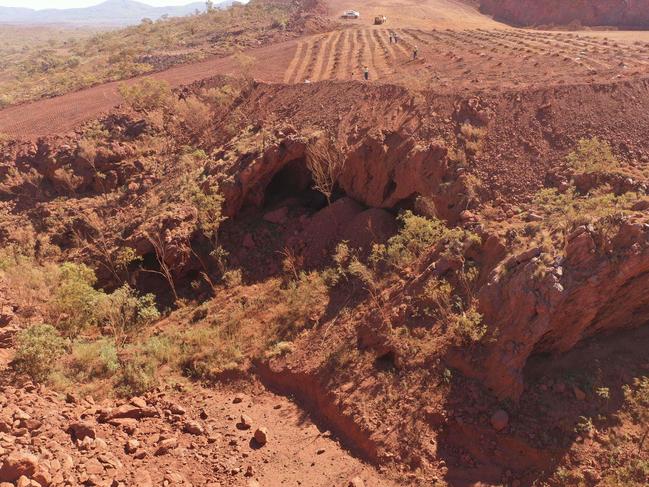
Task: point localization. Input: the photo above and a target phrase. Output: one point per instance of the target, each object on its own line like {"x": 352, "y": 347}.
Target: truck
{"x": 380, "y": 20}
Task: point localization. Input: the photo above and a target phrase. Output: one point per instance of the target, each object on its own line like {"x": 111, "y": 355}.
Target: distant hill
{"x": 110, "y": 12}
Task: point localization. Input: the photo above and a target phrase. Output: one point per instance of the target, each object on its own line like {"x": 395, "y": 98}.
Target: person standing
{"x": 366, "y": 73}
{"x": 415, "y": 53}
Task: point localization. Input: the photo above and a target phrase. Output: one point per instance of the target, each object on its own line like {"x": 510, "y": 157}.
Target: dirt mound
{"x": 620, "y": 13}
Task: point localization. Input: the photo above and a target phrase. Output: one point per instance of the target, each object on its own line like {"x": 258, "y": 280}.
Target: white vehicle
{"x": 351, "y": 14}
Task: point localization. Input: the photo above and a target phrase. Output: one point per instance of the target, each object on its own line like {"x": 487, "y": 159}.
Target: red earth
{"x": 459, "y": 50}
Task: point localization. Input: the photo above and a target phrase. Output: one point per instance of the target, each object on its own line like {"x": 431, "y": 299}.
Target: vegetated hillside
{"x": 63, "y": 65}
{"x": 622, "y": 13}
{"x": 406, "y": 281}
{"x": 110, "y": 12}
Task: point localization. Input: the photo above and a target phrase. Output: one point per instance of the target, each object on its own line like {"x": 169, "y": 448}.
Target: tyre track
{"x": 292, "y": 67}
{"x": 304, "y": 62}
{"x": 313, "y": 56}
{"x": 381, "y": 66}
{"x": 339, "y": 56}
{"x": 327, "y": 67}
{"x": 387, "y": 60}
{"x": 352, "y": 63}
{"x": 393, "y": 56}
{"x": 366, "y": 55}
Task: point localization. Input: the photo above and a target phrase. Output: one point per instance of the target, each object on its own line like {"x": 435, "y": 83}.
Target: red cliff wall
{"x": 623, "y": 13}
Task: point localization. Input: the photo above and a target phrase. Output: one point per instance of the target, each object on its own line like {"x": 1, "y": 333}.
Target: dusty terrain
{"x": 460, "y": 50}
{"x": 84, "y": 442}
{"x": 456, "y": 297}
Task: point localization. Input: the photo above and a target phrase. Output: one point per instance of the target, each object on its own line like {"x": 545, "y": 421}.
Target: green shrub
{"x": 147, "y": 95}
{"x": 435, "y": 301}
{"x": 303, "y": 302}
{"x": 416, "y": 235}
{"x": 636, "y": 400}
{"x": 124, "y": 312}
{"x": 568, "y": 209}
{"x": 280, "y": 349}
{"x": 592, "y": 155}
{"x": 472, "y": 137}
{"x": 94, "y": 360}
{"x": 207, "y": 352}
{"x": 233, "y": 278}
{"x": 196, "y": 116}
{"x": 5, "y": 100}
{"x": 75, "y": 301}
{"x": 160, "y": 348}
{"x": 469, "y": 326}
{"x": 634, "y": 473}
{"x": 136, "y": 376}
{"x": 125, "y": 257}
{"x": 38, "y": 350}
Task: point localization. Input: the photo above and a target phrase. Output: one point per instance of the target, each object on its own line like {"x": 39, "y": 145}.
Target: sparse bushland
{"x": 440, "y": 301}
{"x": 65, "y": 294}
{"x": 453, "y": 306}
{"x": 631, "y": 474}
{"x": 555, "y": 213}
{"x": 53, "y": 66}
{"x": 135, "y": 376}
{"x": 180, "y": 179}
{"x": 74, "y": 304}
{"x": 303, "y": 301}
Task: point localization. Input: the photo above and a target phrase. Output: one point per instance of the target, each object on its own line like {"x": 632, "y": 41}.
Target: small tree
{"x": 157, "y": 240}
{"x": 124, "y": 312}
{"x": 38, "y": 350}
{"x": 326, "y": 163}
{"x": 74, "y": 306}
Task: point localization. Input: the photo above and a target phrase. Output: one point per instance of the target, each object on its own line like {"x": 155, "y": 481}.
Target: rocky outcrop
{"x": 381, "y": 171}
{"x": 389, "y": 167}
{"x": 599, "y": 285}
{"x": 624, "y": 13}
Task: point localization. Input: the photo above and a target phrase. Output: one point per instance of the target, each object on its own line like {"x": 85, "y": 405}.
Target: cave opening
{"x": 294, "y": 182}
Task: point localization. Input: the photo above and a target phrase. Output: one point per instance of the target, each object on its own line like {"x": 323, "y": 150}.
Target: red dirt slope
{"x": 624, "y": 13}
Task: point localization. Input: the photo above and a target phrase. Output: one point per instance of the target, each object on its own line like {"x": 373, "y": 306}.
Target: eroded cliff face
{"x": 623, "y": 13}
{"x": 596, "y": 286}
